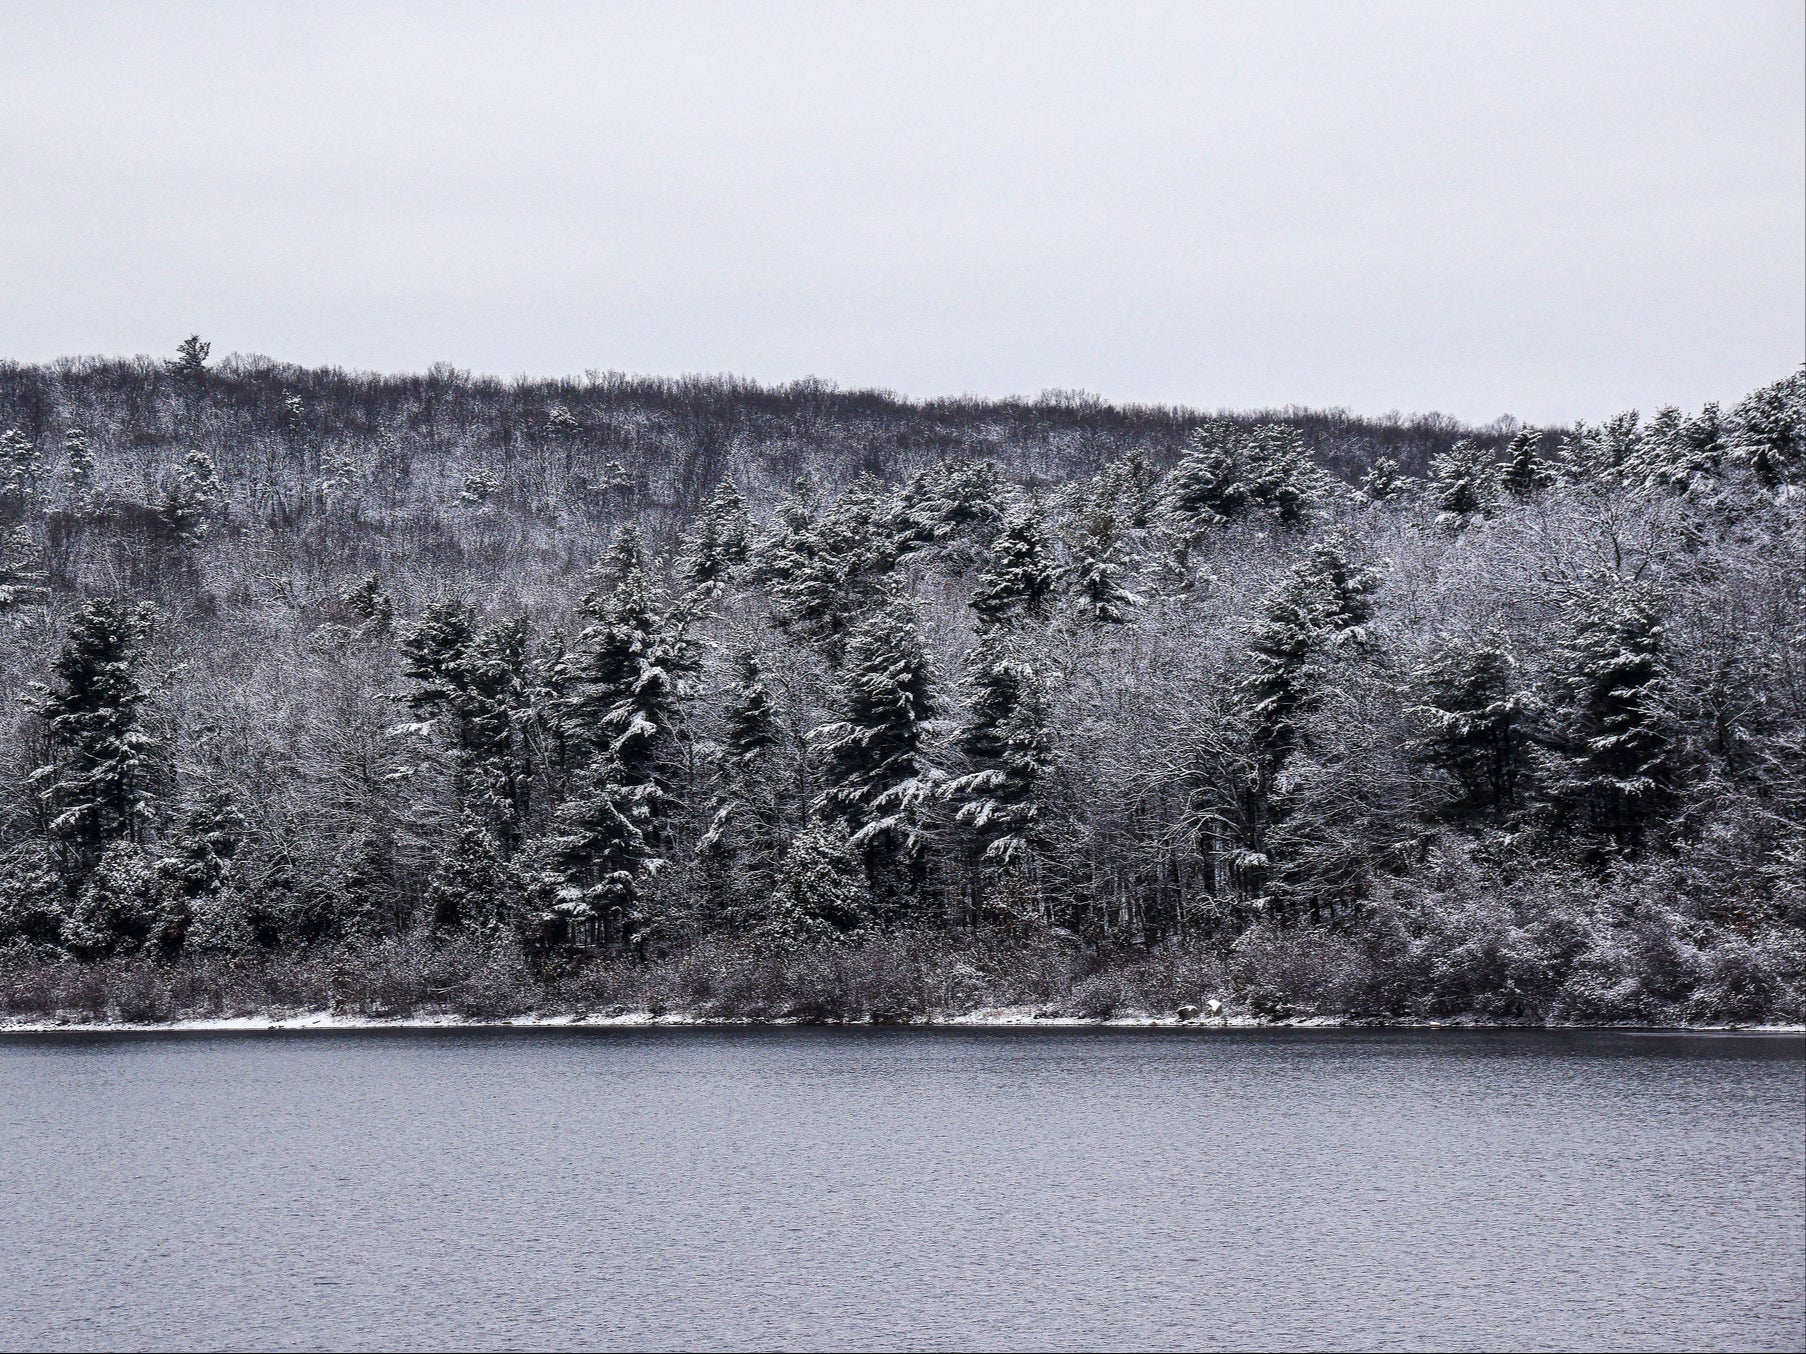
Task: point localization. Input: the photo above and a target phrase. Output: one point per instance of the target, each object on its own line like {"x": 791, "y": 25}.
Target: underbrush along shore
{"x": 1300, "y": 976}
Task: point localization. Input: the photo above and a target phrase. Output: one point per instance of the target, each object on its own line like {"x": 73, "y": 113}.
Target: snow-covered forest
{"x": 696, "y": 694}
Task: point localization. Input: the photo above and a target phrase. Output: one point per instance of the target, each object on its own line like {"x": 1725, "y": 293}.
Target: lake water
{"x": 834, "y": 1188}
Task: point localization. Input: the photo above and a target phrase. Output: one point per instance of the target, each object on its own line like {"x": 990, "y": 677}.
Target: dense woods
{"x": 329, "y": 687}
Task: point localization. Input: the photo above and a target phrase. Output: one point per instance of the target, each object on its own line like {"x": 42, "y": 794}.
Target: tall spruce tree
{"x": 718, "y": 543}
{"x": 190, "y": 362}
{"x": 1094, "y": 572}
{"x": 21, "y": 472}
{"x": 96, "y": 785}
{"x": 1018, "y": 586}
{"x": 878, "y": 775}
{"x": 1007, "y": 746}
{"x": 1474, "y": 714}
{"x": 1206, "y": 488}
{"x": 1463, "y": 484}
{"x": 1615, "y": 769}
{"x": 1525, "y": 473}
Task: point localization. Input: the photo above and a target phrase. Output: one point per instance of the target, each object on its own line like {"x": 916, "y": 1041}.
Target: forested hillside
{"x": 701, "y": 695}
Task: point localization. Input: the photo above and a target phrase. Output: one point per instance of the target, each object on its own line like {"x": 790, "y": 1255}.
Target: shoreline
{"x": 1016, "y": 1018}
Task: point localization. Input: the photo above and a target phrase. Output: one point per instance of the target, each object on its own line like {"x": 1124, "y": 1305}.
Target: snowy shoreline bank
{"x": 1018, "y": 1017}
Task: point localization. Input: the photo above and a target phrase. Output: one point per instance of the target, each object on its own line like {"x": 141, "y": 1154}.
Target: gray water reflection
{"x": 880, "y": 1189}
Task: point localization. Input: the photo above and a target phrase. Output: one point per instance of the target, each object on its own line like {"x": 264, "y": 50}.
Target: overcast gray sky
{"x": 1557, "y": 210}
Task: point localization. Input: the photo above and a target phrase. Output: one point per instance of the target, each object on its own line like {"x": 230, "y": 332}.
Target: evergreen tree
{"x": 825, "y": 571}
{"x": 126, "y": 906}
{"x": 294, "y": 414}
{"x": 192, "y": 498}
{"x": 1095, "y": 573}
{"x": 78, "y": 465}
{"x": 365, "y": 904}
{"x": 1129, "y": 491}
{"x": 1019, "y": 585}
{"x": 1525, "y": 473}
{"x": 1007, "y": 747}
{"x": 820, "y": 893}
{"x": 1280, "y": 475}
{"x": 1615, "y": 768}
{"x": 1385, "y": 482}
{"x": 589, "y": 870}
{"x": 1463, "y": 484}
{"x": 1474, "y": 717}
{"x": 368, "y": 600}
{"x": 718, "y": 543}
{"x": 200, "y": 859}
{"x": 562, "y": 425}
{"x": 473, "y": 888}
{"x": 478, "y": 487}
{"x": 190, "y": 361}
{"x": 745, "y": 832}
{"x": 1323, "y": 604}
{"x": 752, "y": 728}
{"x": 877, "y": 769}
{"x": 1770, "y": 431}
{"x": 1206, "y": 488}
{"x": 479, "y": 687}
{"x": 1603, "y": 452}
{"x": 945, "y": 501}
{"x": 21, "y": 472}
{"x": 97, "y": 783}
{"x": 22, "y": 573}
{"x": 629, "y": 672}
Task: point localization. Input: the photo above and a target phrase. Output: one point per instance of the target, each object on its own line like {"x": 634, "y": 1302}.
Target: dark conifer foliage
{"x": 608, "y": 670}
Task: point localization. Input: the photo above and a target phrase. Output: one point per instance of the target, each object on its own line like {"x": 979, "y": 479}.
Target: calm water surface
{"x": 818, "y": 1188}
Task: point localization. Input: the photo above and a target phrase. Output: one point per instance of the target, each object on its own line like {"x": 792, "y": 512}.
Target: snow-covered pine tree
{"x": 190, "y": 362}
{"x": 562, "y": 425}
{"x": 587, "y": 872}
{"x": 474, "y": 888}
{"x": 1525, "y": 473}
{"x": 78, "y": 465}
{"x": 193, "y": 497}
{"x": 21, "y": 472}
{"x": 821, "y": 893}
{"x": 1129, "y": 490}
{"x": 479, "y": 687}
{"x": 1280, "y": 475}
{"x": 1770, "y": 431}
{"x": 743, "y": 841}
{"x": 879, "y": 778}
{"x": 718, "y": 542}
{"x": 23, "y": 577}
{"x": 1603, "y": 452}
{"x": 199, "y": 858}
{"x": 1207, "y": 487}
{"x": 1615, "y": 769}
{"x": 125, "y": 906}
{"x": 294, "y": 414}
{"x": 752, "y": 726}
{"x": 1094, "y": 572}
{"x": 824, "y": 572}
{"x": 1322, "y": 604}
{"x": 1008, "y": 750}
{"x": 1474, "y": 714}
{"x": 1463, "y": 484}
{"x": 367, "y": 599}
{"x": 1018, "y": 586}
{"x": 947, "y": 501}
{"x": 629, "y": 677}
{"x": 1385, "y": 482}
{"x": 96, "y": 784}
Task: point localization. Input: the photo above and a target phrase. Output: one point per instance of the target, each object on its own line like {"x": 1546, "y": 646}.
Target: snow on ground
{"x": 989, "y": 1017}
